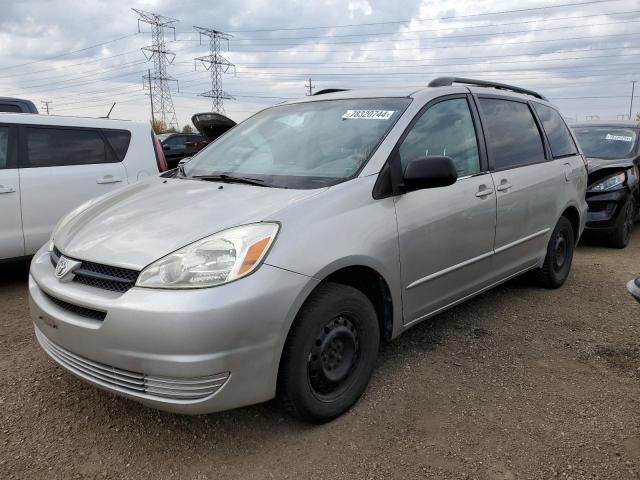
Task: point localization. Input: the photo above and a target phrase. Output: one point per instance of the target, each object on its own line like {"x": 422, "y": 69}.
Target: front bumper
{"x": 605, "y": 208}
{"x": 190, "y": 351}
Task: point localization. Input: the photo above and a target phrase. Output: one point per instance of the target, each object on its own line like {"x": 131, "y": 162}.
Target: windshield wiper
{"x": 231, "y": 179}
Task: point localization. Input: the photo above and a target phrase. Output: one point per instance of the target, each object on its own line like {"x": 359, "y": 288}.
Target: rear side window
{"x": 119, "y": 141}
{"x": 513, "y": 137}
{"x": 560, "y": 139}
{"x": 8, "y": 107}
{"x": 55, "y": 147}
{"x": 4, "y": 147}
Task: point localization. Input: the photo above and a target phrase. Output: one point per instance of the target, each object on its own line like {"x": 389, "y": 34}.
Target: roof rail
{"x": 330, "y": 90}
{"x": 448, "y": 81}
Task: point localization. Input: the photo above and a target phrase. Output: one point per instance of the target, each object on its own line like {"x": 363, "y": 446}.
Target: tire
{"x": 622, "y": 234}
{"x": 557, "y": 262}
{"x": 329, "y": 354}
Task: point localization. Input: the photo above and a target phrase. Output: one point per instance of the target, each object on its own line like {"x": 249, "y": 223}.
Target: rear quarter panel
{"x": 140, "y": 160}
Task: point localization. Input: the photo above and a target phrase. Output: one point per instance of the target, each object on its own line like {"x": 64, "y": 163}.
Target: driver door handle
{"x": 4, "y": 189}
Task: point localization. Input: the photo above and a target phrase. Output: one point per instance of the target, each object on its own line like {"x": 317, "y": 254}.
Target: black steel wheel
{"x": 557, "y": 262}
{"x": 329, "y": 354}
{"x": 622, "y": 235}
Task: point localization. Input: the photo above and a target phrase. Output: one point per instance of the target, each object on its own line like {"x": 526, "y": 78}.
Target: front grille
{"x": 77, "y": 309}
{"x": 96, "y": 275}
{"x": 133, "y": 383}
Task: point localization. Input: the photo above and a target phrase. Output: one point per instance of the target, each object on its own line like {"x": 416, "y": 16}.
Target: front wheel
{"x": 329, "y": 354}
{"x": 622, "y": 234}
{"x": 557, "y": 262}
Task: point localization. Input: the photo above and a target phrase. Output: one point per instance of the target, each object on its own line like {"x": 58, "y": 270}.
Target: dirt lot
{"x": 518, "y": 383}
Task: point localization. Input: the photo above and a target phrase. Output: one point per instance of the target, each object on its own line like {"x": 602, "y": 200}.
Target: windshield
{"x": 304, "y": 145}
{"x": 609, "y": 143}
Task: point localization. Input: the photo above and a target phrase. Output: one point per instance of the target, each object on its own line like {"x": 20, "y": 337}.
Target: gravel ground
{"x": 517, "y": 383}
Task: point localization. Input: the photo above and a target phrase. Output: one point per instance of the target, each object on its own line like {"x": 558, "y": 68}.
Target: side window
{"x": 444, "y": 129}
{"x": 512, "y": 134}
{"x": 8, "y": 107}
{"x": 4, "y": 147}
{"x": 119, "y": 141}
{"x": 55, "y": 147}
{"x": 560, "y": 139}
{"x": 175, "y": 142}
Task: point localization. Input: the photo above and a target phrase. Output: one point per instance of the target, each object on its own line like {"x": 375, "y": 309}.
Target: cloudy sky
{"x": 84, "y": 55}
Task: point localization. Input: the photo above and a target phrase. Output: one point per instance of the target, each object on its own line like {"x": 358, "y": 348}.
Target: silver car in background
{"x": 275, "y": 261}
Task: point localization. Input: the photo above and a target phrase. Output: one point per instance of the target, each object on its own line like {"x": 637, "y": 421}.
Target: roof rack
{"x": 330, "y": 90}
{"x": 448, "y": 81}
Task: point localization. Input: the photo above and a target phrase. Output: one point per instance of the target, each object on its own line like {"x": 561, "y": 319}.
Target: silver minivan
{"x": 274, "y": 262}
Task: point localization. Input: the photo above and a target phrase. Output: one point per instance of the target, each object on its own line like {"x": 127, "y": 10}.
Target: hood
{"x": 141, "y": 223}
{"x": 597, "y": 164}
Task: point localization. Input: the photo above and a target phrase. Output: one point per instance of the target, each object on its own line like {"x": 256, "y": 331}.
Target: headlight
{"x": 215, "y": 260}
{"x": 609, "y": 183}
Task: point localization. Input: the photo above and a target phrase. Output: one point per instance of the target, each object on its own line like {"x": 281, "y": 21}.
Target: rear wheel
{"x": 621, "y": 236}
{"x": 329, "y": 354}
{"x": 557, "y": 262}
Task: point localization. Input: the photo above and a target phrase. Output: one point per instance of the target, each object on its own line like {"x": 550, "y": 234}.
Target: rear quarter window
{"x": 560, "y": 140}
{"x": 119, "y": 141}
{"x": 56, "y": 147}
{"x": 8, "y": 107}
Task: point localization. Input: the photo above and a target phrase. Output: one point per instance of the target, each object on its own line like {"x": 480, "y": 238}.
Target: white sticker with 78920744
{"x": 619, "y": 138}
{"x": 369, "y": 114}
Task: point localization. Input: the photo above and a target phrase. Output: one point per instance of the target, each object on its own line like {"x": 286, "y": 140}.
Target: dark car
{"x": 613, "y": 193}
{"x": 182, "y": 145}
{"x": 17, "y": 105}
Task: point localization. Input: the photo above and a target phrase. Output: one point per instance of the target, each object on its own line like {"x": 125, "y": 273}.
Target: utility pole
{"x": 217, "y": 65}
{"x": 46, "y": 105}
{"x": 309, "y": 87}
{"x": 633, "y": 88}
{"x": 158, "y": 82}
{"x": 153, "y": 117}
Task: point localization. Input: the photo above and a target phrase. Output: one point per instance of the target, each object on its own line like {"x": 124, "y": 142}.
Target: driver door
{"x": 446, "y": 234}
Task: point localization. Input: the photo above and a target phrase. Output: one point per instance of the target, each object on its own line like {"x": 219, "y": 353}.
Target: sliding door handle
{"x": 503, "y": 187}
{"x": 484, "y": 193}
{"x": 4, "y": 189}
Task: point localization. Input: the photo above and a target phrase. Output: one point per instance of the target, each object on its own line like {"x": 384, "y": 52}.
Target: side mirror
{"x": 429, "y": 172}
{"x": 166, "y": 147}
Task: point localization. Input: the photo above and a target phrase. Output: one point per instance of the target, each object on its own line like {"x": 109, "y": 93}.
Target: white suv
{"x": 49, "y": 165}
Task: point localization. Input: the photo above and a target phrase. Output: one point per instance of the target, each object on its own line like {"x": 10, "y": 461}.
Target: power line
{"x": 71, "y": 52}
{"x": 473, "y": 35}
{"x": 432, "y": 47}
{"x": 424, "y": 19}
{"x": 465, "y": 27}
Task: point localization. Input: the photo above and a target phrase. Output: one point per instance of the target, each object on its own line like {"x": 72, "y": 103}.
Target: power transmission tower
{"x": 309, "y": 87}
{"x": 217, "y": 65}
{"x": 158, "y": 82}
{"x": 46, "y": 105}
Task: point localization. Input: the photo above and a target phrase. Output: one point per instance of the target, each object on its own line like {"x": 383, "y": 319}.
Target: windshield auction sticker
{"x": 369, "y": 114}
{"x": 619, "y": 138}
